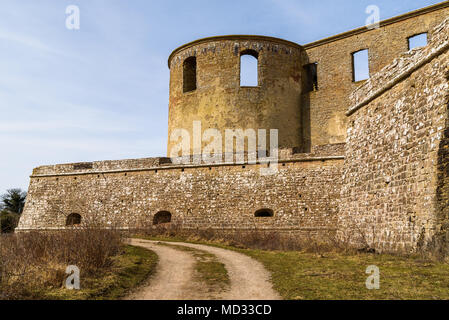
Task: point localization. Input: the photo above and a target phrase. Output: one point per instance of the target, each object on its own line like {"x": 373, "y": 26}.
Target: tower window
{"x": 416, "y": 41}
{"x": 360, "y": 65}
{"x": 264, "y": 213}
{"x": 189, "y": 74}
{"x": 311, "y": 71}
{"x": 249, "y": 68}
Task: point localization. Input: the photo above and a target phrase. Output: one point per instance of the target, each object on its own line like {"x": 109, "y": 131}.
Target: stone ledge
{"x": 254, "y": 38}
{"x": 268, "y": 229}
{"x": 320, "y": 153}
{"x": 106, "y": 165}
{"x": 174, "y": 167}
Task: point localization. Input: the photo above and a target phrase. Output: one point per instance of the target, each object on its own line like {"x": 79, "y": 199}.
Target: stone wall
{"x": 303, "y": 195}
{"x": 394, "y": 184}
{"x": 391, "y": 187}
{"x": 324, "y": 114}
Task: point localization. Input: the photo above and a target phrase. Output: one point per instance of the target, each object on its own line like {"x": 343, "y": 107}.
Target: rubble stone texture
{"x": 394, "y": 183}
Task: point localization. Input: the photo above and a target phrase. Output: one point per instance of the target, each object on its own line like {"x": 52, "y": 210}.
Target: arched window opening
{"x": 73, "y": 219}
{"x": 189, "y": 74}
{"x": 418, "y": 40}
{"x": 162, "y": 217}
{"x": 360, "y": 65}
{"x": 264, "y": 213}
{"x": 249, "y": 65}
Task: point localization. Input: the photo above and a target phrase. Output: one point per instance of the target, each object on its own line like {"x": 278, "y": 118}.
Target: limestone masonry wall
{"x": 373, "y": 165}
{"x": 325, "y": 109}
{"x": 393, "y": 159}
{"x": 303, "y": 196}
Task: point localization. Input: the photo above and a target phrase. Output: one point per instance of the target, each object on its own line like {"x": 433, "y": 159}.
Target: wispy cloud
{"x": 34, "y": 44}
{"x": 25, "y": 41}
{"x": 296, "y": 11}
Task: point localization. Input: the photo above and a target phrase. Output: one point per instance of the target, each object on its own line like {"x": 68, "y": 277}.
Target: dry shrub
{"x": 254, "y": 239}
{"x": 35, "y": 261}
{"x": 437, "y": 249}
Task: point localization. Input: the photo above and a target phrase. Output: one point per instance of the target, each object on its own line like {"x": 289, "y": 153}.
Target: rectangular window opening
{"x": 417, "y": 41}
{"x": 360, "y": 65}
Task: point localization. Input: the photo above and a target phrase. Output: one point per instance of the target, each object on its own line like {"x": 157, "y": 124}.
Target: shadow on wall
{"x": 443, "y": 186}
{"x": 162, "y": 217}
{"x": 73, "y": 219}
{"x": 310, "y": 84}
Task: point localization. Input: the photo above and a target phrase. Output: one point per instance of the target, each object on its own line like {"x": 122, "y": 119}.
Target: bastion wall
{"x": 395, "y": 190}
{"x": 303, "y": 194}
{"x": 365, "y": 159}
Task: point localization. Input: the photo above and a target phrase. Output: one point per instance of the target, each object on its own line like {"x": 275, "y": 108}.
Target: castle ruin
{"x": 365, "y": 156}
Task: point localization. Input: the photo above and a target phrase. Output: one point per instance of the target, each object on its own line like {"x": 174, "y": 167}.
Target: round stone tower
{"x": 205, "y": 86}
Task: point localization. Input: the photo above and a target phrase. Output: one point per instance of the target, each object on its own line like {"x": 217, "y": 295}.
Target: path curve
{"x": 173, "y": 275}
{"x": 249, "y": 279}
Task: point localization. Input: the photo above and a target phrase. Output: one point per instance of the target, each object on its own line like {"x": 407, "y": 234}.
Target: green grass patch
{"x": 297, "y": 275}
{"x": 333, "y": 276}
{"x": 128, "y": 271}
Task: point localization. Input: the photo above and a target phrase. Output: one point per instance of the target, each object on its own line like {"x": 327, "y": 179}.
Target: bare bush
{"x": 35, "y": 261}
{"x": 253, "y": 239}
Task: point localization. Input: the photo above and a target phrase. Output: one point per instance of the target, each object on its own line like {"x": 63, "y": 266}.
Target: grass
{"x": 207, "y": 268}
{"x": 298, "y": 275}
{"x": 128, "y": 271}
{"x": 304, "y": 276}
{"x": 33, "y": 264}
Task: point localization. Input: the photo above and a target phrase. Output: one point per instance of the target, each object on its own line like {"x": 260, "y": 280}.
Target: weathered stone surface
{"x": 391, "y": 186}
{"x": 303, "y": 196}
{"x": 394, "y": 183}
{"x": 219, "y": 101}
{"x": 325, "y": 109}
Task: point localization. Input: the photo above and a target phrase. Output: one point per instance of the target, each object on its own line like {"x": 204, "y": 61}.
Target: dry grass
{"x": 34, "y": 262}
{"x": 336, "y": 276}
{"x": 208, "y": 269}
{"x": 307, "y": 268}
{"x": 130, "y": 269}
{"x": 259, "y": 239}
{"x": 251, "y": 239}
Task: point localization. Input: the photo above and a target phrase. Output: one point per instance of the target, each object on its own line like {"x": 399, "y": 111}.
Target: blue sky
{"x": 101, "y": 92}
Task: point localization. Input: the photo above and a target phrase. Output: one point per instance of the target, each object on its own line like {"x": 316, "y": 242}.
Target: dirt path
{"x": 249, "y": 279}
{"x": 173, "y": 274}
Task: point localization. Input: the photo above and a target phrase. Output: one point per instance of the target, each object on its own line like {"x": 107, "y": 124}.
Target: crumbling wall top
{"x": 232, "y": 37}
{"x": 401, "y": 68}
